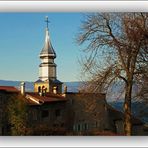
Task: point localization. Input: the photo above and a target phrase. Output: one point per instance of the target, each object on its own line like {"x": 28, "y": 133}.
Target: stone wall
{"x": 89, "y": 112}
{"x": 51, "y": 116}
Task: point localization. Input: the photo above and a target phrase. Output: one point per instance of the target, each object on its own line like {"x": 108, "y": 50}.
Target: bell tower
{"x": 47, "y": 68}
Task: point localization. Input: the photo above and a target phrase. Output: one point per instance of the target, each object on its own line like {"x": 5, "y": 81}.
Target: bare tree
{"x": 116, "y": 51}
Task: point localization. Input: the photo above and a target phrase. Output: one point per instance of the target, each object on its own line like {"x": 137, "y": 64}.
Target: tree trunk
{"x": 127, "y": 109}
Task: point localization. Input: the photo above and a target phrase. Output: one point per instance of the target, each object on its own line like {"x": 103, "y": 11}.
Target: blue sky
{"x": 22, "y": 38}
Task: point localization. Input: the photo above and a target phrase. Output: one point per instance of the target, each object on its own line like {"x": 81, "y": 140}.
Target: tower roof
{"x": 47, "y": 50}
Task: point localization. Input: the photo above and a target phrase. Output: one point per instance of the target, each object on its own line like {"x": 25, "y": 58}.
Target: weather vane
{"x": 47, "y": 21}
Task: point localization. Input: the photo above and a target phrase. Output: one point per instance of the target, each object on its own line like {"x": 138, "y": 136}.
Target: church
{"x": 56, "y": 112}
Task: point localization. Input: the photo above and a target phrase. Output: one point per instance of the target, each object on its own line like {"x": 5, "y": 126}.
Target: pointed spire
{"x": 47, "y": 49}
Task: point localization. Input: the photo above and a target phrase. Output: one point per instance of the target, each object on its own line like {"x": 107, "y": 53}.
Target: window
{"x": 57, "y": 112}
{"x": 74, "y": 127}
{"x": 105, "y": 107}
{"x": 39, "y": 89}
{"x": 55, "y": 125}
{"x": 34, "y": 115}
{"x": 71, "y": 101}
{"x": 1, "y": 100}
{"x": 45, "y": 113}
{"x": 79, "y": 127}
{"x": 55, "y": 89}
{"x": 119, "y": 125}
{"x": 85, "y": 126}
{"x": 62, "y": 124}
{"x": 96, "y": 124}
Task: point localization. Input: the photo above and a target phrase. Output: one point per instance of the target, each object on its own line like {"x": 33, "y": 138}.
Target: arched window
{"x": 57, "y": 89}
{"x": 43, "y": 90}
{"x": 39, "y": 89}
{"x": 43, "y": 87}
{"x": 54, "y": 89}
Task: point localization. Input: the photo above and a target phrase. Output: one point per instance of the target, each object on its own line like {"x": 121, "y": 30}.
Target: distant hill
{"x": 29, "y": 85}
{"x": 139, "y": 109}
{"x": 112, "y": 95}
{"x": 71, "y": 86}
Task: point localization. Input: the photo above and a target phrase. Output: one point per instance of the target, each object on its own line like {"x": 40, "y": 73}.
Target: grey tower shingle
{"x": 48, "y": 50}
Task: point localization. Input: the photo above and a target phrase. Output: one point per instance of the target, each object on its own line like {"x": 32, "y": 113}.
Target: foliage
{"x": 45, "y": 130}
{"x": 17, "y": 115}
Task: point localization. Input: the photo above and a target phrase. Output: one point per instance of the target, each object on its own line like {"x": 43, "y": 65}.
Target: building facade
{"x": 6, "y": 92}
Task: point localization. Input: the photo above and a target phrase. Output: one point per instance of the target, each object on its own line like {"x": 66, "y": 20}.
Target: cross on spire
{"x": 47, "y": 21}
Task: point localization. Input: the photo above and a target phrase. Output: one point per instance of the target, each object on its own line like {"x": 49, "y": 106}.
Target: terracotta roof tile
{"x": 48, "y": 98}
{"x": 8, "y": 89}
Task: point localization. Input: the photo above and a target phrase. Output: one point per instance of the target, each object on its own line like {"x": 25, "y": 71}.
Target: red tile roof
{"x": 8, "y": 89}
{"x": 48, "y": 98}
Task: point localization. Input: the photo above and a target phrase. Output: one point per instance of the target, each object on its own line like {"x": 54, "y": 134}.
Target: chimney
{"x": 23, "y": 88}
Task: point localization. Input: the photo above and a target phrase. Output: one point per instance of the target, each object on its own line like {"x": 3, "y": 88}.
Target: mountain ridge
{"x": 71, "y": 86}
